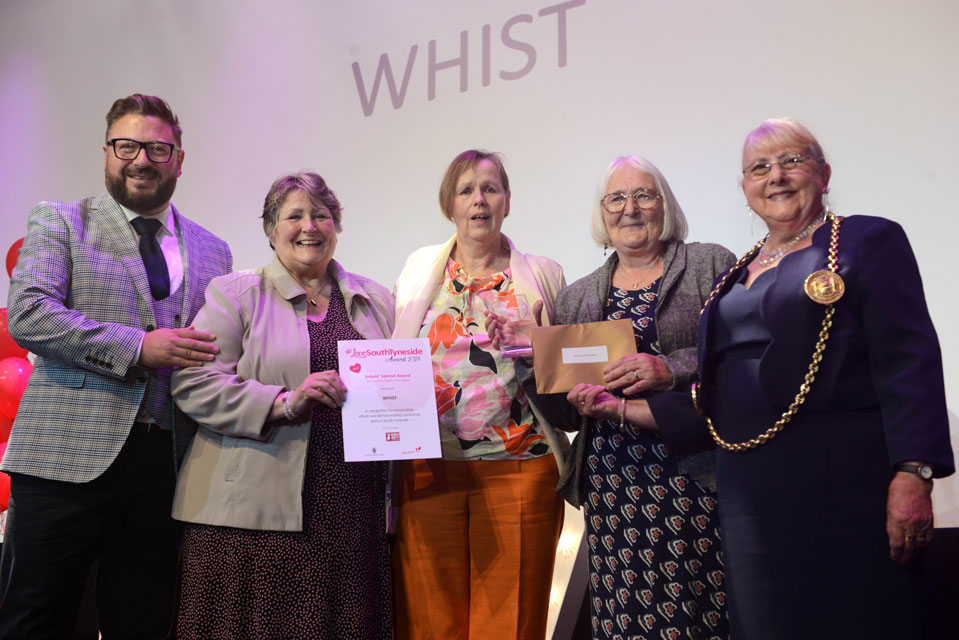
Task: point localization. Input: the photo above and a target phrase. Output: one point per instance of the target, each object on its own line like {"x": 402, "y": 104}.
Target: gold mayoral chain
{"x": 824, "y": 287}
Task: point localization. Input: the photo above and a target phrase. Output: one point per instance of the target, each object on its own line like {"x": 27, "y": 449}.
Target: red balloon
{"x": 14, "y": 373}
{"x": 8, "y": 348}
{"x": 6, "y": 424}
{"x": 12, "y": 253}
{"x": 4, "y": 482}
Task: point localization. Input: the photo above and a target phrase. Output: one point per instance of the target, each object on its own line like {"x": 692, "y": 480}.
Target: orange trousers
{"x": 473, "y": 556}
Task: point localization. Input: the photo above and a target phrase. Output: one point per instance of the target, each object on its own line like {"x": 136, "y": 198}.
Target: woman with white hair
{"x": 655, "y": 561}
{"x": 822, "y": 390}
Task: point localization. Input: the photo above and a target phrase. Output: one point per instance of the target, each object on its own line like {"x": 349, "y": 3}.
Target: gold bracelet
{"x": 622, "y": 414}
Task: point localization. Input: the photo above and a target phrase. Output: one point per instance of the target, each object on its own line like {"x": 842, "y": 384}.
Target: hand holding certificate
{"x": 390, "y": 411}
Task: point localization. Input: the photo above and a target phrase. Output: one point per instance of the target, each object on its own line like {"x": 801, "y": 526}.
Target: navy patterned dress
{"x": 332, "y": 580}
{"x": 656, "y": 569}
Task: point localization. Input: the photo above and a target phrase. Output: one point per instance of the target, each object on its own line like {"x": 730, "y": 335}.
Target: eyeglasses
{"x": 129, "y": 149}
{"x": 642, "y": 199}
{"x": 789, "y": 164}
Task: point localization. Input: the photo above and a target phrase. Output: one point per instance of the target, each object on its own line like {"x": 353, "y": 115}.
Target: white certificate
{"x": 390, "y": 408}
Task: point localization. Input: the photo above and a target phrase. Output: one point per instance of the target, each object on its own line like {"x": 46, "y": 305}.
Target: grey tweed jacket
{"x": 689, "y": 272}
{"x": 80, "y": 300}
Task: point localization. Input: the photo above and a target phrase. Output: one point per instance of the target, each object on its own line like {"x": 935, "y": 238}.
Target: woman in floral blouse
{"x": 477, "y": 529}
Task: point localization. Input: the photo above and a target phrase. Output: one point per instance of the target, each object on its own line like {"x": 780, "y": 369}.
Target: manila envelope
{"x": 568, "y": 354}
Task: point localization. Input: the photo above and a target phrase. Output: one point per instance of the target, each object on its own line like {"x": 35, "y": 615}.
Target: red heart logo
{"x": 355, "y": 368}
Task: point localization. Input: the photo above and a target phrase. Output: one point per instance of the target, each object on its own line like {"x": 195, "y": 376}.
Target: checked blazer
{"x": 80, "y": 300}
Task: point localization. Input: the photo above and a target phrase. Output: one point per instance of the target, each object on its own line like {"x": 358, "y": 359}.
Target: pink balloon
{"x": 12, "y": 254}
{"x": 4, "y": 482}
{"x": 14, "y": 374}
{"x": 8, "y": 348}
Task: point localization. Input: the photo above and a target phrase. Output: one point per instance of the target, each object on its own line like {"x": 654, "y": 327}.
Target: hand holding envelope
{"x": 633, "y": 372}
{"x": 638, "y": 373}
{"x": 567, "y": 355}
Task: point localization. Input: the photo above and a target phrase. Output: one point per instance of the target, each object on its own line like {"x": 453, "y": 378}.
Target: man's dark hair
{"x": 148, "y": 106}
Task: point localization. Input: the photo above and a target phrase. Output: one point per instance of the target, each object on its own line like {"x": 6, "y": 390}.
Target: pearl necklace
{"x": 767, "y": 257}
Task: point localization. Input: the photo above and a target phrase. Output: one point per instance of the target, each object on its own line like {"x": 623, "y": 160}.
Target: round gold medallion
{"x": 824, "y": 286}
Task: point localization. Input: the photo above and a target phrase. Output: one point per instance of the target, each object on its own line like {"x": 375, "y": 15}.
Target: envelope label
{"x": 574, "y": 355}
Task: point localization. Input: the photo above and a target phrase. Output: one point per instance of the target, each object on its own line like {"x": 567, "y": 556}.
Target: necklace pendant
{"x": 824, "y": 286}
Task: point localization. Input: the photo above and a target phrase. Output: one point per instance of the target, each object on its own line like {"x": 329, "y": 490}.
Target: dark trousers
{"x": 56, "y": 529}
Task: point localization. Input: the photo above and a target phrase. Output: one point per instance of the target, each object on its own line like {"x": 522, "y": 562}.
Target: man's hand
{"x": 177, "y": 348}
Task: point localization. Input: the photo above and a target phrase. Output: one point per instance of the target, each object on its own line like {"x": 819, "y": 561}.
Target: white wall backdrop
{"x": 559, "y": 87}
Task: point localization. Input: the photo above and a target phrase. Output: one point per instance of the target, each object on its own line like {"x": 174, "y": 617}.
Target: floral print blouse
{"x": 483, "y": 413}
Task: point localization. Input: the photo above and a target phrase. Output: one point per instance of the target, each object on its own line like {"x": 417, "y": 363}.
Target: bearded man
{"x": 103, "y": 293}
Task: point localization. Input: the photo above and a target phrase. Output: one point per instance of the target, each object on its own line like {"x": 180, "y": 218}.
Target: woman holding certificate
{"x": 284, "y": 539}
{"x": 651, "y": 519}
{"x": 477, "y": 529}
{"x": 822, "y": 387}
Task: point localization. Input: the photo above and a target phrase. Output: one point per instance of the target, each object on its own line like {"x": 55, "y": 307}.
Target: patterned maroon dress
{"x": 330, "y": 581}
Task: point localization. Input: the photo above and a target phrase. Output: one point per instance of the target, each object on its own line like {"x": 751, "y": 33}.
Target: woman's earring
{"x": 605, "y": 247}
{"x": 825, "y": 200}
{"x": 752, "y": 222}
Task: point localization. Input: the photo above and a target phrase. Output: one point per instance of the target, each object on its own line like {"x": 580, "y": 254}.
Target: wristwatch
{"x": 921, "y": 469}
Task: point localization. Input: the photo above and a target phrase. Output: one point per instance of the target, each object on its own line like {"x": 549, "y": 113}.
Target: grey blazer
{"x": 80, "y": 300}
{"x": 689, "y": 271}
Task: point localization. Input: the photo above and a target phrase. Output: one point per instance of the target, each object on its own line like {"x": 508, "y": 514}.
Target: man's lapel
{"x": 190, "y": 243}
{"x": 121, "y": 240}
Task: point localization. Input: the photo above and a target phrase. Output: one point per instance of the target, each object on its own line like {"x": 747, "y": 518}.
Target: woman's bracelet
{"x": 622, "y": 414}
{"x": 287, "y": 409}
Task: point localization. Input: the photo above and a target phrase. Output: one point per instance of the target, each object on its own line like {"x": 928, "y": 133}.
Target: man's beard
{"x": 141, "y": 201}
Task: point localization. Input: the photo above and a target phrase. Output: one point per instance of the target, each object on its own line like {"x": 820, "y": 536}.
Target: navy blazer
{"x": 882, "y": 356}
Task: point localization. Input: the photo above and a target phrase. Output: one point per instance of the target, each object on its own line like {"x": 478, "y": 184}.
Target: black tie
{"x": 153, "y": 260}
